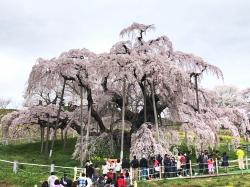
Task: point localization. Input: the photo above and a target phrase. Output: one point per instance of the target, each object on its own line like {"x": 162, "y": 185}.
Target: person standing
{"x": 167, "y": 165}
{"x": 64, "y": 179}
{"x": 201, "y": 163}
{"x": 143, "y": 165}
{"x": 111, "y": 174}
{"x": 178, "y": 164}
{"x": 210, "y": 165}
{"x": 112, "y": 166}
{"x": 159, "y": 159}
{"x": 118, "y": 167}
{"x": 240, "y": 155}
{"x": 205, "y": 158}
{"x": 174, "y": 167}
{"x": 96, "y": 173}
{"x": 188, "y": 159}
{"x": 225, "y": 162}
{"x": 90, "y": 171}
{"x": 89, "y": 181}
{"x": 51, "y": 179}
{"x": 183, "y": 164}
{"x": 82, "y": 181}
{"x": 127, "y": 178}
{"x": 121, "y": 182}
{"x": 151, "y": 167}
{"x": 125, "y": 164}
{"x": 105, "y": 169}
{"x": 135, "y": 164}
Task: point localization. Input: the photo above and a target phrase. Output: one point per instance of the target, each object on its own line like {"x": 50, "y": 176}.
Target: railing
{"x": 37, "y": 169}
{"x": 195, "y": 171}
{"x": 148, "y": 174}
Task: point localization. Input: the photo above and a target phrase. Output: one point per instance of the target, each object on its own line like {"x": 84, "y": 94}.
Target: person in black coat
{"x": 90, "y": 171}
{"x": 225, "y": 162}
{"x": 188, "y": 159}
{"x": 125, "y": 165}
{"x": 200, "y": 161}
{"x": 64, "y": 179}
{"x": 135, "y": 164}
{"x": 167, "y": 162}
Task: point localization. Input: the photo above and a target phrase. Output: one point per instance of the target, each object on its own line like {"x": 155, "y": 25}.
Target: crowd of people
{"x": 116, "y": 173}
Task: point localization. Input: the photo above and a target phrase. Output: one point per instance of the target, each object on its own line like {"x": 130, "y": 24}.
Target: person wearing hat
{"x": 240, "y": 155}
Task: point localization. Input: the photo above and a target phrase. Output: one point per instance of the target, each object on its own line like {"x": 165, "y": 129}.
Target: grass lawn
{"x": 222, "y": 181}
{"x": 29, "y": 175}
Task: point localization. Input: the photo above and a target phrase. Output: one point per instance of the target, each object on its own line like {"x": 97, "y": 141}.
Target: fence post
{"x": 75, "y": 172}
{"x": 246, "y": 162}
{"x": 190, "y": 169}
{"x": 148, "y": 173}
{"x": 216, "y": 166}
{"x": 135, "y": 184}
{"x": 50, "y": 153}
{"x": 131, "y": 174}
{"x": 84, "y": 170}
{"x": 139, "y": 174}
{"x": 6, "y": 142}
{"x": 52, "y": 166}
{"x": 160, "y": 171}
{"x": 15, "y": 167}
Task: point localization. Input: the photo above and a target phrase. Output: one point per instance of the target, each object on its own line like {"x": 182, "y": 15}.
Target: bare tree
{"x": 4, "y": 102}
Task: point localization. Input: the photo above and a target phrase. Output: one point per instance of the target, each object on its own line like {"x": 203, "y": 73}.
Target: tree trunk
{"x": 58, "y": 116}
{"x": 123, "y": 115}
{"x": 112, "y": 125}
{"x": 81, "y": 121}
{"x": 155, "y": 113}
{"x": 42, "y": 139}
{"x": 87, "y": 134}
{"x": 61, "y": 134}
{"x": 145, "y": 102}
{"x": 65, "y": 140}
{"x": 47, "y": 140}
{"x": 196, "y": 90}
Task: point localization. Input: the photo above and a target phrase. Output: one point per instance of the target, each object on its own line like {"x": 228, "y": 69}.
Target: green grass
{"x": 222, "y": 181}
{"x": 31, "y": 153}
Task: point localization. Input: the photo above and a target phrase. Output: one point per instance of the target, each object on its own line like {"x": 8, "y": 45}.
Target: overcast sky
{"x": 217, "y": 31}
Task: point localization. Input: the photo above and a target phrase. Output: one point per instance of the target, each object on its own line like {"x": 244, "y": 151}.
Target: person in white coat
{"x": 51, "y": 179}
{"x": 89, "y": 181}
{"x": 105, "y": 169}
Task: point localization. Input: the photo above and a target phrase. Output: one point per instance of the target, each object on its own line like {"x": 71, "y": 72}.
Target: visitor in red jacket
{"x": 121, "y": 182}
